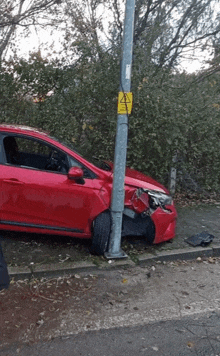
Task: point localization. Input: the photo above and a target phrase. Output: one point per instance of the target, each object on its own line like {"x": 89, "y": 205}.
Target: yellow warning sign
{"x": 125, "y": 102}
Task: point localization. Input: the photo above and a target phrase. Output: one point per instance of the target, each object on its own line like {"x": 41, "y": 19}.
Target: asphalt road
{"x": 186, "y": 337}
{"x": 170, "y": 309}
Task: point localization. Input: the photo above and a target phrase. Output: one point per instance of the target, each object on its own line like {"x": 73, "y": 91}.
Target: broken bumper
{"x": 151, "y": 214}
{"x": 165, "y": 223}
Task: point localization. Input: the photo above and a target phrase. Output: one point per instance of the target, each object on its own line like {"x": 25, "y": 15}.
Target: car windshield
{"x": 96, "y": 161}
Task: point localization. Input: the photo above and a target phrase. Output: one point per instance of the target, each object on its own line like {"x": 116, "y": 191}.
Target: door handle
{"x": 13, "y": 181}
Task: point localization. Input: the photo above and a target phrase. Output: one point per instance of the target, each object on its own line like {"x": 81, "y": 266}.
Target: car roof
{"x": 21, "y": 129}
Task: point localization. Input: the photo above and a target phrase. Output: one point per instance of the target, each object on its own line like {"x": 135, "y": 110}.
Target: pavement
{"x": 29, "y": 255}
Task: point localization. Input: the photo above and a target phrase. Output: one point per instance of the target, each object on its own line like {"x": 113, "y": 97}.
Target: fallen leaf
{"x": 124, "y": 280}
{"x": 190, "y": 344}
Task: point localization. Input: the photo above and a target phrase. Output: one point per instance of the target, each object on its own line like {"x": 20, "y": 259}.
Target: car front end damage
{"x": 149, "y": 213}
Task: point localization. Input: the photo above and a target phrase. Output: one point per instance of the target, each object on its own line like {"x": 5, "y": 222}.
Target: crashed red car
{"x": 46, "y": 187}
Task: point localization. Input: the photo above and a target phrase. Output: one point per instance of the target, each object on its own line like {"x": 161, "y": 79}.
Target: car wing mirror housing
{"x": 76, "y": 173}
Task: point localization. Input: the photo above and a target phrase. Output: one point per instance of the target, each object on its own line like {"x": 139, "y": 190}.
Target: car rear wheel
{"x": 101, "y": 233}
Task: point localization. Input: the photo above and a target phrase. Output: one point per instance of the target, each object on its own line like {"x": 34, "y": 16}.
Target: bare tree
{"x": 171, "y": 29}
{"x": 23, "y": 13}
{"x": 165, "y": 30}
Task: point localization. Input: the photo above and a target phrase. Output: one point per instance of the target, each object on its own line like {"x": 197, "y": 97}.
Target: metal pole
{"x": 124, "y": 107}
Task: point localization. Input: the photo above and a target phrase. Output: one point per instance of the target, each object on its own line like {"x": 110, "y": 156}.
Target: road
{"x": 186, "y": 337}
{"x": 167, "y": 309}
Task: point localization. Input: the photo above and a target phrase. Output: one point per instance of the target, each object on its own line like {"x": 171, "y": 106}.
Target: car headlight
{"x": 159, "y": 199}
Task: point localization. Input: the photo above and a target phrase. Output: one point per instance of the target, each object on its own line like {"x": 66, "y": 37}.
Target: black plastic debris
{"x": 4, "y": 277}
{"x": 202, "y": 239}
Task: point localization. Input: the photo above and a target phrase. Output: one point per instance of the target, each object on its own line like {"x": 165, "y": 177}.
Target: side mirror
{"x": 75, "y": 173}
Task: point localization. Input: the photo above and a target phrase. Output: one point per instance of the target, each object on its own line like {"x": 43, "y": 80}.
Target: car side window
{"x": 86, "y": 172}
{"x": 74, "y": 162}
{"x": 11, "y": 150}
{"x": 35, "y": 154}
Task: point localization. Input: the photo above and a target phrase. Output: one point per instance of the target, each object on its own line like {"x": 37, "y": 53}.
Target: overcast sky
{"x": 49, "y": 45}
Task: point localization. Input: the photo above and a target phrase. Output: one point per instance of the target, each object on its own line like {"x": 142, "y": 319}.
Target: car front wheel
{"x": 101, "y": 233}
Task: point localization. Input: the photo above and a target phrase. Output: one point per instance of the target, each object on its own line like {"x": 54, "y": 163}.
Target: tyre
{"x": 101, "y": 233}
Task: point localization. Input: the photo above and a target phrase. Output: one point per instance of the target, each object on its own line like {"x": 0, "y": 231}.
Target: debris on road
{"x": 202, "y": 239}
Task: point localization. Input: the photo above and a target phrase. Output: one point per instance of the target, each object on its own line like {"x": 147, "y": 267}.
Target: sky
{"x": 198, "y": 63}
{"x": 50, "y": 44}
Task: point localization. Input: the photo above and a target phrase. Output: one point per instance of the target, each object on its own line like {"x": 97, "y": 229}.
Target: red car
{"x": 46, "y": 187}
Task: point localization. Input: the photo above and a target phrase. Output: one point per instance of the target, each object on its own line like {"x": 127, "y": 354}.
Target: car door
{"x": 37, "y": 197}
{"x": 1, "y": 162}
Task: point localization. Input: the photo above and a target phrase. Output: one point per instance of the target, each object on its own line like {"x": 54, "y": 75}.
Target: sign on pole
{"x": 125, "y": 103}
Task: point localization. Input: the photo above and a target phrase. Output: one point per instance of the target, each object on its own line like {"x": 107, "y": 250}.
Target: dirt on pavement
{"x": 29, "y": 309}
